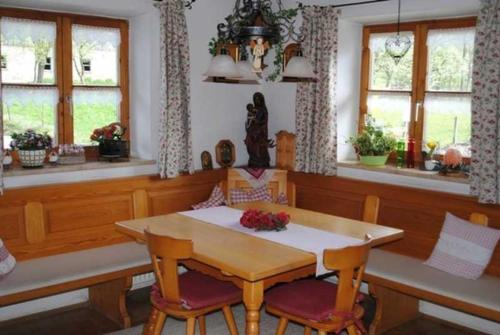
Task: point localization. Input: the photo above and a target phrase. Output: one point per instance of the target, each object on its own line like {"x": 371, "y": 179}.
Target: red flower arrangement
{"x": 259, "y": 220}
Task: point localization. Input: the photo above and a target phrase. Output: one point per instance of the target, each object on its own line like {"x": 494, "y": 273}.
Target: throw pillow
{"x": 7, "y": 261}
{"x": 216, "y": 199}
{"x": 464, "y": 249}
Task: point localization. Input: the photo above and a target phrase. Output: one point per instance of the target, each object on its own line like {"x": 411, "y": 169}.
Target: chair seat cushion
{"x": 309, "y": 299}
{"x": 412, "y": 272}
{"x": 52, "y": 270}
{"x": 199, "y": 291}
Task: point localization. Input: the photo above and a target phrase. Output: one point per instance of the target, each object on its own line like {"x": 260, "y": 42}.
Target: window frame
{"x": 64, "y": 67}
{"x": 419, "y": 71}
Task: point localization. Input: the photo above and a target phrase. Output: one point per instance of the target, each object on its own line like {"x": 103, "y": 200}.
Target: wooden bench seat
{"x": 107, "y": 271}
{"x": 399, "y": 281}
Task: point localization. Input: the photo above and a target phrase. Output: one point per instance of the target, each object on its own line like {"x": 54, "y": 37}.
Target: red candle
{"x": 410, "y": 156}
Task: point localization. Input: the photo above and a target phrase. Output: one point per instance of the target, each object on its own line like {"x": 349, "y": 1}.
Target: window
{"x": 65, "y": 75}
{"x": 427, "y": 95}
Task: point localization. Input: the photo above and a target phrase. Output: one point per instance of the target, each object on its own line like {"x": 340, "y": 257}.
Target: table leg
{"x": 253, "y": 296}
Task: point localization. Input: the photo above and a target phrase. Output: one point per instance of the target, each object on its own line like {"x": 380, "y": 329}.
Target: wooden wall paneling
{"x": 80, "y": 216}
{"x": 141, "y": 204}
{"x": 12, "y": 227}
{"x": 419, "y": 212}
{"x": 285, "y": 150}
{"x": 35, "y": 222}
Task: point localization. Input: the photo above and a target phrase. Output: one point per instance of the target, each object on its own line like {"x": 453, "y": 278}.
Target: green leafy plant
{"x": 31, "y": 140}
{"x": 372, "y": 141}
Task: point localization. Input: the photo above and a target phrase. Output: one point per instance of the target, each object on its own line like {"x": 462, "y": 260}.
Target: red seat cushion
{"x": 199, "y": 291}
{"x": 309, "y": 299}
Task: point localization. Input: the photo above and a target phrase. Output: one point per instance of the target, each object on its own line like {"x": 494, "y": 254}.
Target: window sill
{"x": 19, "y": 171}
{"x": 405, "y": 172}
{"x": 19, "y": 177}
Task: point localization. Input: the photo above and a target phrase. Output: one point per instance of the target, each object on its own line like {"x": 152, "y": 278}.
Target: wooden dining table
{"x": 252, "y": 263}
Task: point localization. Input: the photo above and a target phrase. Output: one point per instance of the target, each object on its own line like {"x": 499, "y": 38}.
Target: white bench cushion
{"x": 57, "y": 269}
{"x": 412, "y": 272}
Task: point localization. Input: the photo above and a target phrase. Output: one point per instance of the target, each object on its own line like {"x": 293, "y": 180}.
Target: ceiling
{"x": 113, "y": 8}
{"x": 411, "y": 9}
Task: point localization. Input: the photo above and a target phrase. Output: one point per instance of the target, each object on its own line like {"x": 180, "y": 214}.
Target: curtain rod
{"x": 189, "y": 3}
{"x": 348, "y": 4}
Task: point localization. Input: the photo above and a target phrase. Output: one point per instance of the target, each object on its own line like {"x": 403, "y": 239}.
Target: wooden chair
{"x": 322, "y": 305}
{"x": 277, "y": 185}
{"x": 371, "y": 208}
{"x": 189, "y": 296}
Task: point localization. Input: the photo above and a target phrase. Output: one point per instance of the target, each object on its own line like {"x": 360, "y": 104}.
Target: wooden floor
{"x": 82, "y": 320}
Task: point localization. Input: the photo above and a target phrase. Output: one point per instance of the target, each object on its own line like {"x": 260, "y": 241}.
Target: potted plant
{"x": 429, "y": 163}
{"x": 31, "y": 147}
{"x": 111, "y": 144}
{"x": 372, "y": 145}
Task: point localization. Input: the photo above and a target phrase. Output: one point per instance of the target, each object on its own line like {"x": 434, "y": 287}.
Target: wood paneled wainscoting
{"x": 54, "y": 219}
{"x": 420, "y": 213}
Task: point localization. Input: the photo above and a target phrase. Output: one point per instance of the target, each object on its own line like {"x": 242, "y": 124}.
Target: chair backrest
{"x": 277, "y": 184}
{"x": 350, "y": 265}
{"x": 165, "y": 252}
{"x": 479, "y": 219}
{"x": 371, "y": 208}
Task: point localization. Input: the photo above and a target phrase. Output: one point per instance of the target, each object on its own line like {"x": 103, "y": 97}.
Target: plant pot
{"x": 32, "y": 158}
{"x": 374, "y": 160}
{"x": 430, "y": 165}
{"x": 113, "y": 148}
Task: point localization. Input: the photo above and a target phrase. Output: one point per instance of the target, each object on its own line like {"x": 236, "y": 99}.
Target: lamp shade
{"x": 299, "y": 67}
{"x": 223, "y": 66}
{"x": 245, "y": 71}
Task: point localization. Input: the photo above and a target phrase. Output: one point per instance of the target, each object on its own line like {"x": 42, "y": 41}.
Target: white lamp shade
{"x": 299, "y": 67}
{"x": 223, "y": 66}
{"x": 245, "y": 71}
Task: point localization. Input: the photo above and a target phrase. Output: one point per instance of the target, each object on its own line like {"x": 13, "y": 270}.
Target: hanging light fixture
{"x": 397, "y": 46}
{"x": 223, "y": 66}
{"x": 245, "y": 70}
{"x": 299, "y": 67}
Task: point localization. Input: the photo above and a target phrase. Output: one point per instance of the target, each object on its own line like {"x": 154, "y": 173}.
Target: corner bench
{"x": 398, "y": 282}
{"x": 106, "y": 271}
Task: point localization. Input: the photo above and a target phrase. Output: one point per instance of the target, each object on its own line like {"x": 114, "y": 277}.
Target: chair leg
{"x": 228, "y": 315}
{"x": 282, "y": 326}
{"x": 149, "y": 328}
{"x": 201, "y": 324}
{"x": 307, "y": 331}
{"x": 160, "y": 322}
{"x": 322, "y": 332}
{"x": 191, "y": 323}
{"x": 351, "y": 330}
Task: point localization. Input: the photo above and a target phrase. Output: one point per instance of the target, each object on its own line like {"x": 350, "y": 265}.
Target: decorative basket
{"x": 32, "y": 158}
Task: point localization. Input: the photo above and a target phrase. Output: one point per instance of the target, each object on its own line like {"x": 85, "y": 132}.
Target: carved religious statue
{"x": 257, "y": 141}
{"x": 259, "y": 48}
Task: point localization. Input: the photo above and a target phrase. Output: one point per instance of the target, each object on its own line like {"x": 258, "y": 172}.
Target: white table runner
{"x": 296, "y": 236}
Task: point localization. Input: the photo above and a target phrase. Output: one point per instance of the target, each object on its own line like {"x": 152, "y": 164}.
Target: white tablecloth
{"x": 296, "y": 236}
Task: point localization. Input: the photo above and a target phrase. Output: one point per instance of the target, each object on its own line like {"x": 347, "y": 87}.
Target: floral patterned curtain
{"x": 316, "y": 115}
{"x": 1, "y": 131}
{"x": 175, "y": 153}
{"x": 485, "y": 143}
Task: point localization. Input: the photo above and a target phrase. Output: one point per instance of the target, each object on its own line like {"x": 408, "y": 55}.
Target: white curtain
{"x": 102, "y": 38}
{"x": 97, "y": 96}
{"x": 22, "y": 31}
{"x": 485, "y": 146}
{"x": 33, "y": 95}
{"x": 316, "y": 114}
{"x": 175, "y": 154}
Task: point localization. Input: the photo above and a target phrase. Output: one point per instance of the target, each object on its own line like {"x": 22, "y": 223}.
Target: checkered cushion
{"x": 258, "y": 194}
{"x": 282, "y": 199}
{"x": 216, "y": 199}
{"x": 464, "y": 249}
{"x": 7, "y": 261}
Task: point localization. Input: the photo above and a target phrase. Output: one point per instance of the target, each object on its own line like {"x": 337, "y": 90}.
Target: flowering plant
{"x": 113, "y": 131}
{"x": 432, "y": 145}
{"x": 31, "y": 140}
{"x": 259, "y": 220}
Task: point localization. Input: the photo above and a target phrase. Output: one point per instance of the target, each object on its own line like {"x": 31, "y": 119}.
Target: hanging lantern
{"x": 397, "y": 46}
